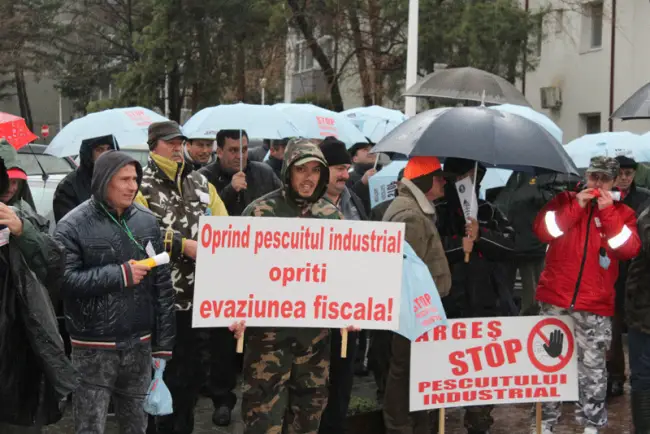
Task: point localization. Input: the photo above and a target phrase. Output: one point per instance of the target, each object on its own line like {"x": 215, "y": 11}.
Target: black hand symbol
{"x": 554, "y": 347}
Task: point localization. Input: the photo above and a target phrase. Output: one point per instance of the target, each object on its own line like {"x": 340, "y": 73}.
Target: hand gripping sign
{"x": 504, "y": 360}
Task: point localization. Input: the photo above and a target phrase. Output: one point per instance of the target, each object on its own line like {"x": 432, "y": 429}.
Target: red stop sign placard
{"x": 45, "y": 131}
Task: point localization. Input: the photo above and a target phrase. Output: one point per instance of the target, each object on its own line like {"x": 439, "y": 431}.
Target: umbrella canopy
{"x": 129, "y": 126}
{"x": 468, "y": 84}
{"x": 259, "y": 122}
{"x": 494, "y": 178}
{"x": 383, "y": 184}
{"x": 532, "y": 115}
{"x": 375, "y": 121}
{"x": 583, "y": 149}
{"x": 317, "y": 123}
{"x": 636, "y": 107}
{"x": 14, "y": 130}
{"x": 492, "y": 137}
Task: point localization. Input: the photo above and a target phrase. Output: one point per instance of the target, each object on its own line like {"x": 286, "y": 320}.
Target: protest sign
{"x": 383, "y": 184}
{"x": 288, "y": 272}
{"x": 483, "y": 361}
{"x": 467, "y": 196}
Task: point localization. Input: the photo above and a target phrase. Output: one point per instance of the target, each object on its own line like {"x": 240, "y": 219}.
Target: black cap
{"x": 335, "y": 151}
{"x": 357, "y": 146}
{"x": 626, "y": 162}
{"x": 167, "y": 130}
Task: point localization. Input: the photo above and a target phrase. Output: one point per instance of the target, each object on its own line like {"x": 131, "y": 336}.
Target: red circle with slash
{"x": 538, "y": 332}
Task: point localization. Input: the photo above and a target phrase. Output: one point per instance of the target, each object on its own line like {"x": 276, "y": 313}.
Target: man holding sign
{"x": 286, "y": 369}
{"x": 479, "y": 288}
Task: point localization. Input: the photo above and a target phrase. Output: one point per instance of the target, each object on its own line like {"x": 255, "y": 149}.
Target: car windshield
{"x": 50, "y": 164}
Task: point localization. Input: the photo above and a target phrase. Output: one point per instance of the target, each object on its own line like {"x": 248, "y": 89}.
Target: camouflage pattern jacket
{"x": 178, "y": 196}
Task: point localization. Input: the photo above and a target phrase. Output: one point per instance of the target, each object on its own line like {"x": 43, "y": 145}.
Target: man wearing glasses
{"x": 178, "y": 196}
{"x": 587, "y": 234}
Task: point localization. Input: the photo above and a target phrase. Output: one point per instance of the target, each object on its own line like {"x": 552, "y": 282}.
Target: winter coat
{"x": 10, "y": 157}
{"x": 276, "y": 165}
{"x": 418, "y": 213}
{"x": 350, "y": 206}
{"x": 103, "y": 307}
{"x": 481, "y": 287}
{"x": 75, "y": 187}
{"x": 573, "y": 277}
{"x": 259, "y": 178}
{"x": 258, "y": 153}
{"x": 35, "y": 374}
{"x": 178, "y": 196}
{"x": 356, "y": 184}
{"x": 637, "y": 296}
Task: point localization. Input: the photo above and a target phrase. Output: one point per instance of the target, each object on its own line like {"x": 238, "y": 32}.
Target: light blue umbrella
{"x": 129, "y": 126}
{"x": 420, "y": 306}
{"x": 259, "y": 122}
{"x": 383, "y": 184}
{"x": 532, "y": 115}
{"x": 375, "y": 121}
{"x": 583, "y": 149}
{"x": 494, "y": 178}
{"x": 317, "y": 123}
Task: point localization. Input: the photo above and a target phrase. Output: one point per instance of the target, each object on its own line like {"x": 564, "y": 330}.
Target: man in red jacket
{"x": 587, "y": 233}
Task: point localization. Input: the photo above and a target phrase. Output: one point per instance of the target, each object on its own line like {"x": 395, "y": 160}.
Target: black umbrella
{"x": 636, "y": 107}
{"x": 492, "y": 137}
{"x": 469, "y": 84}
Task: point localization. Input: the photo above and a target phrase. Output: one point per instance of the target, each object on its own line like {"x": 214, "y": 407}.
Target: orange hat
{"x": 420, "y": 166}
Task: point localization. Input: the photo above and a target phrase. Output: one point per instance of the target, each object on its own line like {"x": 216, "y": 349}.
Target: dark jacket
{"x": 350, "y": 206}
{"x": 276, "y": 165}
{"x": 638, "y": 199}
{"x": 35, "y": 374}
{"x": 637, "y": 295}
{"x": 356, "y": 184}
{"x": 258, "y": 153}
{"x": 101, "y": 302}
{"x": 75, "y": 188}
{"x": 481, "y": 287}
{"x": 259, "y": 177}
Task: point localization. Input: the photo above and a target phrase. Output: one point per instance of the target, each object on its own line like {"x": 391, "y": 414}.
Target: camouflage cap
{"x": 606, "y": 165}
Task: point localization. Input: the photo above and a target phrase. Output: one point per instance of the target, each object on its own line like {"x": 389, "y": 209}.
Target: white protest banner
{"x": 467, "y": 196}
{"x": 483, "y": 361}
{"x": 289, "y": 272}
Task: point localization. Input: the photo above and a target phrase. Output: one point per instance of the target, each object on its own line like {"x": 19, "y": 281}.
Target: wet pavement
{"x": 509, "y": 419}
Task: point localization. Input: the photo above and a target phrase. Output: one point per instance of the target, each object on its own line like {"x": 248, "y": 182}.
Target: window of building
{"x": 590, "y": 123}
{"x": 303, "y": 59}
{"x": 596, "y": 24}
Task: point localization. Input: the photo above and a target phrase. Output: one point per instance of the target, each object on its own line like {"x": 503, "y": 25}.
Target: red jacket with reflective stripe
{"x": 575, "y": 237}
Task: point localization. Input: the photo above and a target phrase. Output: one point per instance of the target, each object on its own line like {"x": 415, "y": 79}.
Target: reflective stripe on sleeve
{"x": 619, "y": 239}
{"x": 551, "y": 225}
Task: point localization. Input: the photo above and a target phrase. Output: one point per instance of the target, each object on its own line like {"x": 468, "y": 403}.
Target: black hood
{"x": 87, "y": 146}
{"x": 106, "y": 166}
{"x": 4, "y": 178}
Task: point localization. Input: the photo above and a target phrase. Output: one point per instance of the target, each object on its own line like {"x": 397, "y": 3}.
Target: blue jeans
{"x": 639, "y": 347}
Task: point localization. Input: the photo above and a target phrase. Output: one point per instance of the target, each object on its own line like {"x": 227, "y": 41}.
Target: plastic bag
{"x": 159, "y": 399}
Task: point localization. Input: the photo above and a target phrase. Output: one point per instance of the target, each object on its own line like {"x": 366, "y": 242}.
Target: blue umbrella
{"x": 383, "y": 184}
{"x": 375, "y": 121}
{"x": 259, "y": 121}
{"x": 420, "y": 306}
{"x": 494, "y": 178}
{"x": 532, "y": 115}
{"x": 128, "y": 125}
{"x": 583, "y": 149}
{"x": 317, "y": 123}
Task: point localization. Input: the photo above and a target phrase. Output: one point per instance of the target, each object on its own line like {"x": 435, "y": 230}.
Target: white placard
{"x": 467, "y": 196}
{"x": 288, "y": 272}
{"x": 483, "y": 361}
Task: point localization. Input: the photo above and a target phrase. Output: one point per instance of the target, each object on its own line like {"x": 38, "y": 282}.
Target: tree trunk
{"x": 175, "y": 97}
{"x": 374, "y": 12}
{"x": 319, "y": 55}
{"x": 360, "y": 51}
{"x": 23, "y": 99}
{"x": 240, "y": 71}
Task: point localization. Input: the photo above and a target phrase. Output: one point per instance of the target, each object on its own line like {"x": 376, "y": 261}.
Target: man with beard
{"x": 198, "y": 152}
{"x": 239, "y": 182}
{"x": 178, "y": 196}
{"x": 286, "y": 369}
{"x": 75, "y": 187}
{"x": 479, "y": 288}
{"x": 341, "y": 369}
{"x": 362, "y": 169}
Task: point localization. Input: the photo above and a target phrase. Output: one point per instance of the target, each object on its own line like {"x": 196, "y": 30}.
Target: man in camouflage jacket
{"x": 179, "y": 196}
{"x": 286, "y": 369}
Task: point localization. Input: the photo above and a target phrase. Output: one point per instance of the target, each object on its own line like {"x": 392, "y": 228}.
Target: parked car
{"x": 44, "y": 172}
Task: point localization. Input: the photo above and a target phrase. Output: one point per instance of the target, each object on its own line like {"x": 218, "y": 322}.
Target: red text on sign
{"x": 494, "y": 354}
{"x": 309, "y": 273}
{"x": 461, "y": 331}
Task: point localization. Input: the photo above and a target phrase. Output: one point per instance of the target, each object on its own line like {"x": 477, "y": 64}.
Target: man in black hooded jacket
{"x": 479, "y": 288}
{"x": 75, "y": 188}
{"x": 119, "y": 313}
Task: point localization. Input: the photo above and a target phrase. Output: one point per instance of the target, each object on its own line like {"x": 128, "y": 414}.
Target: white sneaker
{"x": 590, "y": 430}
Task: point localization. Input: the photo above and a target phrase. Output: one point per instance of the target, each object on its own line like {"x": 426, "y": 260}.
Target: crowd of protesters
{"x": 578, "y": 249}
